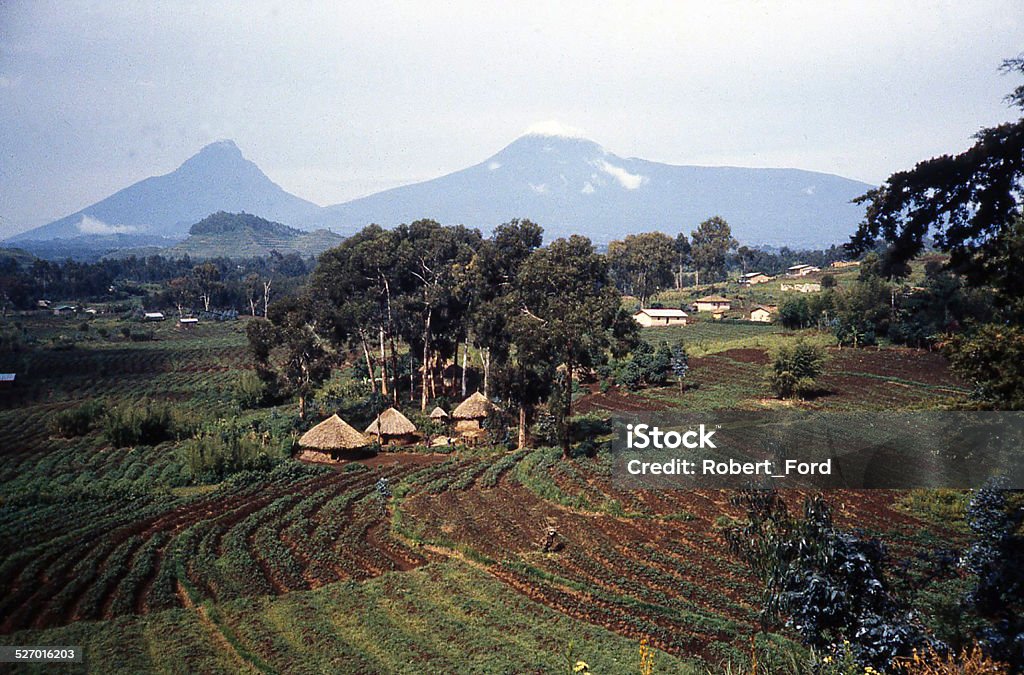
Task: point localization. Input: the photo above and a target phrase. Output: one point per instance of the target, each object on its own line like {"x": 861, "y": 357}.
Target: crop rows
{"x": 293, "y": 532}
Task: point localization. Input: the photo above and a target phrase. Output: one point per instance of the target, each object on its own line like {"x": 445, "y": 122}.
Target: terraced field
{"x": 308, "y": 567}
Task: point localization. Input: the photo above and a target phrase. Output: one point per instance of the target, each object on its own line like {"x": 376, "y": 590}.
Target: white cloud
{"x": 90, "y": 225}
{"x": 630, "y": 181}
{"x": 554, "y": 128}
{"x": 541, "y": 189}
{"x": 493, "y": 166}
{"x": 809, "y": 190}
{"x": 588, "y": 189}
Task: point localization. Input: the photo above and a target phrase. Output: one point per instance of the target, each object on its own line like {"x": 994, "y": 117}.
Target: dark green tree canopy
{"x": 970, "y": 203}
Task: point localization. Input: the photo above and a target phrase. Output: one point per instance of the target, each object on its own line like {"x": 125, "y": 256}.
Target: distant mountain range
{"x": 566, "y": 184}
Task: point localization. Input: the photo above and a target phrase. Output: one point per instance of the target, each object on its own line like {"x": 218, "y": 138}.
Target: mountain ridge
{"x": 570, "y": 184}
{"x": 552, "y": 174}
{"x": 217, "y": 178}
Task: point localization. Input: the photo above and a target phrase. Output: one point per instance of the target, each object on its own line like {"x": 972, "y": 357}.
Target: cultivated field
{"x": 307, "y": 568}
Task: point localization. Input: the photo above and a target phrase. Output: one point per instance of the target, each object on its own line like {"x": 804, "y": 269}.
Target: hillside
{"x": 572, "y": 185}
{"x": 243, "y": 235}
{"x": 217, "y": 178}
{"x": 18, "y": 255}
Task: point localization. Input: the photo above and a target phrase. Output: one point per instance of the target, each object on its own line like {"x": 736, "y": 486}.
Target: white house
{"x": 763, "y": 313}
{"x": 660, "y": 317}
{"x": 153, "y": 316}
{"x": 751, "y": 278}
{"x": 801, "y": 270}
{"x": 712, "y": 303}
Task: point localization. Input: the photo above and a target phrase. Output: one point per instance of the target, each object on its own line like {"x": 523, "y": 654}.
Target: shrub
{"x": 967, "y": 662}
{"x": 826, "y": 583}
{"x": 227, "y": 447}
{"x": 146, "y": 424}
{"x": 795, "y": 369}
{"x": 78, "y": 421}
{"x": 251, "y": 391}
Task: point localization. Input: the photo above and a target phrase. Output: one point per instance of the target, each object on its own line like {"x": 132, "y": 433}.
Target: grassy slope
{"x": 445, "y": 617}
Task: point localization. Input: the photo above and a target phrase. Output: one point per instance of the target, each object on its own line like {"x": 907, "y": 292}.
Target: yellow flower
{"x": 580, "y": 667}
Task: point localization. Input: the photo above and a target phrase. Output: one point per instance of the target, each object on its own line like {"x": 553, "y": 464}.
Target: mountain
{"x": 242, "y": 235}
{"x": 569, "y": 184}
{"x": 217, "y": 178}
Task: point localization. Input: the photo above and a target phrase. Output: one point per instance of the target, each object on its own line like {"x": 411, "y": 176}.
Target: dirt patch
{"x": 616, "y": 401}
{"x": 749, "y": 355}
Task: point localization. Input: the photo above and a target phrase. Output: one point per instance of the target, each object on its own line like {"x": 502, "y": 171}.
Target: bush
{"x": 251, "y": 391}
{"x": 146, "y": 424}
{"x": 825, "y": 583}
{"x": 227, "y": 447}
{"x": 78, "y": 421}
{"x": 795, "y": 369}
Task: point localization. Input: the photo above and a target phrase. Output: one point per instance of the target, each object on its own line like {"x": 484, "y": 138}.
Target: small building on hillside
{"x": 763, "y": 313}
{"x": 470, "y": 414}
{"x": 843, "y": 264}
{"x": 439, "y": 415}
{"x": 712, "y": 303}
{"x": 809, "y": 287}
{"x": 335, "y": 437}
{"x": 153, "y": 316}
{"x": 660, "y": 317}
{"x": 392, "y": 427}
{"x": 751, "y": 278}
{"x": 188, "y": 321}
{"x": 42, "y": 304}
{"x": 8, "y": 380}
{"x": 64, "y": 310}
{"x": 801, "y": 270}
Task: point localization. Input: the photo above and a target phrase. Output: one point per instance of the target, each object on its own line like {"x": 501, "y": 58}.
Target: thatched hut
{"x": 471, "y": 413}
{"x": 439, "y": 415}
{"x": 392, "y": 426}
{"x": 335, "y": 437}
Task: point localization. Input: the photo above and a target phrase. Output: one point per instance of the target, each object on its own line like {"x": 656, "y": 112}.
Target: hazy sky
{"x": 336, "y": 100}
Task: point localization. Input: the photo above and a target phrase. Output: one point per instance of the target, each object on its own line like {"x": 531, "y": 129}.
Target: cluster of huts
{"x": 337, "y": 439}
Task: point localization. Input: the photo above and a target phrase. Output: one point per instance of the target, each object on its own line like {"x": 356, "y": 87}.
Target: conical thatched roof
{"x": 438, "y": 413}
{"x": 475, "y": 407}
{"x": 333, "y": 433}
{"x": 391, "y": 423}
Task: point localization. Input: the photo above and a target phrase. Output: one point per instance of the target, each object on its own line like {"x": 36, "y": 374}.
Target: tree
{"x": 288, "y": 350}
{"x": 683, "y": 259}
{"x": 827, "y": 584}
{"x": 642, "y": 264}
{"x": 969, "y": 203}
{"x": 680, "y": 363}
{"x": 795, "y": 369}
{"x": 711, "y": 244}
{"x": 992, "y": 359}
{"x": 565, "y": 288}
{"x": 996, "y": 559}
{"x": 205, "y": 279}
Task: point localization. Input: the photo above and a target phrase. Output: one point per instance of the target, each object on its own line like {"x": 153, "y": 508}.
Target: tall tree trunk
{"x": 465, "y": 353}
{"x": 487, "y": 371}
{"x": 383, "y": 365}
{"x": 302, "y": 406}
{"x": 524, "y": 440}
{"x": 426, "y": 358}
{"x": 266, "y": 297}
{"x": 370, "y": 368}
{"x": 567, "y": 412}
